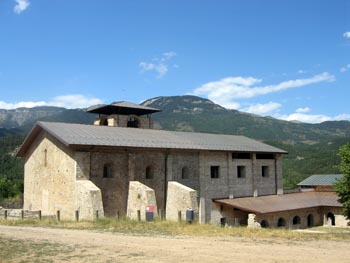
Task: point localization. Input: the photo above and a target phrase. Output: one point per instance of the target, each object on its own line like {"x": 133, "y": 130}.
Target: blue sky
{"x": 286, "y": 59}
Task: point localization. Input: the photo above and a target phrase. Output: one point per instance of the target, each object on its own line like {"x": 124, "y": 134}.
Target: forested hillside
{"x": 312, "y": 148}
{"x": 11, "y": 168}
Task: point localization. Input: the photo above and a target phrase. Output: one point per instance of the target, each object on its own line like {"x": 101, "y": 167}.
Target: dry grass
{"x": 184, "y": 229}
{"x": 31, "y": 251}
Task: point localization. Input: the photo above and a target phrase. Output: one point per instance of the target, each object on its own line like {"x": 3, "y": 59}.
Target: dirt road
{"x": 92, "y": 246}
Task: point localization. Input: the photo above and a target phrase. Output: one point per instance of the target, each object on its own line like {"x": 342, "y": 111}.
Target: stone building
{"x": 122, "y": 166}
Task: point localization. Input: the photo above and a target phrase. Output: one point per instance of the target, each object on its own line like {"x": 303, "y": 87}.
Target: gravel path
{"x": 94, "y": 246}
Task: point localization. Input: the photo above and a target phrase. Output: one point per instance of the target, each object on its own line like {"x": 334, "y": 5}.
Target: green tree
{"x": 342, "y": 186}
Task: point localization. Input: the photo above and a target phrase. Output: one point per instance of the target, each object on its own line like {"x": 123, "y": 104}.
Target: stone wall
{"x": 114, "y": 188}
{"x": 49, "y": 178}
{"x": 180, "y": 198}
{"x": 89, "y": 200}
{"x": 140, "y": 196}
{"x": 221, "y": 214}
{"x": 308, "y": 218}
{"x": 339, "y": 218}
{"x": 51, "y": 185}
{"x": 122, "y": 121}
{"x": 230, "y": 185}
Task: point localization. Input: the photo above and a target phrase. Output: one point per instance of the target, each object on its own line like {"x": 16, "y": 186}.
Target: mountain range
{"x": 312, "y": 147}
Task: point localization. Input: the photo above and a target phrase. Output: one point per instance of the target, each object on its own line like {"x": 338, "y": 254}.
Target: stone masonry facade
{"x": 59, "y": 168}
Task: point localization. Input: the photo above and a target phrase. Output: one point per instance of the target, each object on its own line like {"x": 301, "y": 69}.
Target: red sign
{"x": 150, "y": 208}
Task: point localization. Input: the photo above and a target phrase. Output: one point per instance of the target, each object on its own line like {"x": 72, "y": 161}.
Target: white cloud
{"x": 168, "y": 55}
{"x": 303, "y": 110}
{"x": 347, "y": 35}
{"x": 20, "y": 6}
{"x": 159, "y": 65}
{"x": 301, "y": 71}
{"x": 67, "y": 101}
{"x": 302, "y": 117}
{"x": 345, "y": 68}
{"x": 227, "y": 91}
{"x": 262, "y": 109}
{"x": 74, "y": 101}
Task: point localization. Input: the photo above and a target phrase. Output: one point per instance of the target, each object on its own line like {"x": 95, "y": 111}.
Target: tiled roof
{"x": 280, "y": 203}
{"x": 90, "y": 135}
{"x": 320, "y": 179}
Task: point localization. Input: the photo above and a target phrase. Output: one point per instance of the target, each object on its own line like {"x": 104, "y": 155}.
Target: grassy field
{"x": 184, "y": 229}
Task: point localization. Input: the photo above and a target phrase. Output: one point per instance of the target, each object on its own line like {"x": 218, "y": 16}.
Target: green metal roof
{"x": 320, "y": 179}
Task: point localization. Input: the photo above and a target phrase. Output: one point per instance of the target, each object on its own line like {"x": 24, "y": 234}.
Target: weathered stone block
{"x": 140, "y": 196}
{"x": 89, "y": 200}
{"x": 180, "y": 198}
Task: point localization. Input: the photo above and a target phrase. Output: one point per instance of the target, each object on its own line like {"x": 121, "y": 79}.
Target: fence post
{"x": 118, "y": 216}
{"x": 58, "y": 215}
{"x": 39, "y": 213}
{"x": 179, "y": 216}
{"x": 5, "y": 214}
{"x": 77, "y": 215}
{"x": 138, "y": 215}
{"x": 22, "y": 214}
{"x": 96, "y": 214}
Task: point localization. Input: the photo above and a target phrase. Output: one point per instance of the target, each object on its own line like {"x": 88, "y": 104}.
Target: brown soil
{"x": 94, "y": 246}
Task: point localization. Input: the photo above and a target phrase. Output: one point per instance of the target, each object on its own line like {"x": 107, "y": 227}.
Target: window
{"x": 149, "y": 172}
{"x": 214, "y": 172}
{"x": 296, "y": 220}
{"x": 281, "y": 222}
{"x": 264, "y": 223}
{"x": 240, "y": 171}
{"x": 264, "y": 156}
{"x": 264, "y": 171}
{"x": 310, "y": 220}
{"x": 45, "y": 158}
{"x": 241, "y": 156}
{"x": 185, "y": 173}
{"x": 133, "y": 122}
{"x": 331, "y": 219}
{"x": 107, "y": 171}
{"x": 103, "y": 121}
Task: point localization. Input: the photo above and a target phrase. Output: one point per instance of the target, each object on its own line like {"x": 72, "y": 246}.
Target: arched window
{"x": 310, "y": 220}
{"x": 133, "y": 122}
{"x": 104, "y": 121}
{"x": 281, "y": 222}
{"x": 149, "y": 172}
{"x": 296, "y": 220}
{"x": 185, "y": 173}
{"x": 264, "y": 223}
{"x": 331, "y": 218}
{"x": 107, "y": 171}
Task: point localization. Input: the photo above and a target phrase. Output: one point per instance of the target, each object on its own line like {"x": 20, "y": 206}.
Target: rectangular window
{"x": 240, "y": 171}
{"x": 241, "y": 156}
{"x": 264, "y": 171}
{"x": 266, "y": 156}
{"x": 214, "y": 171}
